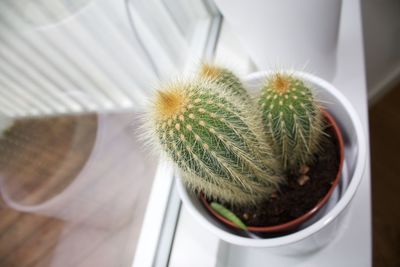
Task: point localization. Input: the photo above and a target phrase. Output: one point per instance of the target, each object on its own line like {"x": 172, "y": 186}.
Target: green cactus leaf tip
{"x": 227, "y": 214}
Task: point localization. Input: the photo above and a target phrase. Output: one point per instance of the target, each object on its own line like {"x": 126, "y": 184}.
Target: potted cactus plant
{"x": 248, "y": 163}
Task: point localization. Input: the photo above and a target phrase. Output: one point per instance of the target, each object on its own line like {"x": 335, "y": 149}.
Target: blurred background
{"x": 75, "y": 180}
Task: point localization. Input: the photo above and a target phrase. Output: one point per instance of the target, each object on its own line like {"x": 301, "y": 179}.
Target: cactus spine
{"x": 214, "y": 141}
{"x": 292, "y": 118}
{"x": 226, "y": 78}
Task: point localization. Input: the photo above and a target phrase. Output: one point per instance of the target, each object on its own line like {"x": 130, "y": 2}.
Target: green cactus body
{"x": 225, "y": 77}
{"x": 221, "y": 152}
{"x": 292, "y": 119}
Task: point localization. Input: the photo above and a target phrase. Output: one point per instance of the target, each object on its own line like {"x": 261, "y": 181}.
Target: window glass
{"x": 75, "y": 179}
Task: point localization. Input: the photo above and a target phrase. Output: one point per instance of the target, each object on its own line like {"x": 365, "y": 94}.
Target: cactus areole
{"x": 216, "y": 142}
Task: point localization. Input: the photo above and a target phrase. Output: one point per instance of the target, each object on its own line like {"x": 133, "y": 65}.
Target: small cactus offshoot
{"x": 292, "y": 119}
{"x": 225, "y": 77}
{"x": 216, "y": 142}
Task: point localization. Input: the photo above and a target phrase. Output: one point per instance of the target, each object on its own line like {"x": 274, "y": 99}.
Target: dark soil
{"x": 293, "y": 199}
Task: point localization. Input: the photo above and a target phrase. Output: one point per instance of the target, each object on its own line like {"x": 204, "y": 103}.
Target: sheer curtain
{"x": 61, "y": 56}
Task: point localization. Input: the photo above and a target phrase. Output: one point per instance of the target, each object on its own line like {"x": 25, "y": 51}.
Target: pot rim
{"x": 291, "y": 225}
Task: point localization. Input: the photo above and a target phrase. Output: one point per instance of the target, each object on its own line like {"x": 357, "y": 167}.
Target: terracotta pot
{"x": 291, "y": 225}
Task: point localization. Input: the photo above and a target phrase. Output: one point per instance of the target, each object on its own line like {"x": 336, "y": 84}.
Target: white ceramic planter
{"x": 325, "y": 225}
{"x": 287, "y": 33}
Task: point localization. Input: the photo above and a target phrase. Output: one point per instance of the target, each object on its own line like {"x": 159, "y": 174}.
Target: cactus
{"x": 215, "y": 141}
{"x": 292, "y": 119}
{"x": 225, "y": 77}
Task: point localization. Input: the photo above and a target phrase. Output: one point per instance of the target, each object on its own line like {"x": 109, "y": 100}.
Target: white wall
{"x": 381, "y": 19}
